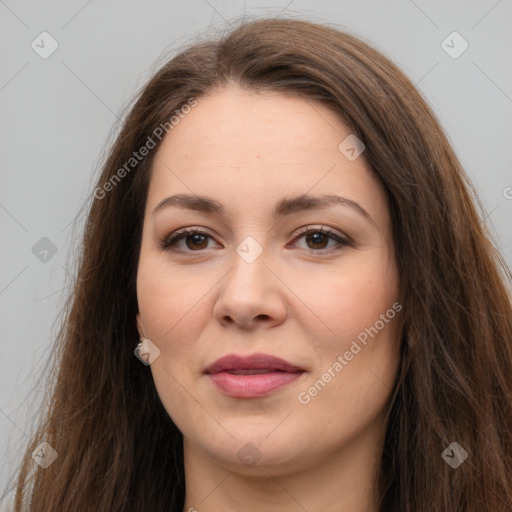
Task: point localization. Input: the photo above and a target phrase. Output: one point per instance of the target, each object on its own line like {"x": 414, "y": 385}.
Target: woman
{"x": 324, "y": 321}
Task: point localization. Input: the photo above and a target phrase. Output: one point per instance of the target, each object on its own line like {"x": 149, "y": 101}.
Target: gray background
{"x": 59, "y": 113}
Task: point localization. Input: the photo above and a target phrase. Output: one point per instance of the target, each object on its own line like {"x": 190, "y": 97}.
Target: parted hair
{"x": 118, "y": 449}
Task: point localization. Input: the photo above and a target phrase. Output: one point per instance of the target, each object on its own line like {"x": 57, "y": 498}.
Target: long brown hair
{"x": 118, "y": 449}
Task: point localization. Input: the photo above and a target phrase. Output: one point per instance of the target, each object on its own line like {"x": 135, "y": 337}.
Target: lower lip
{"x": 252, "y": 386}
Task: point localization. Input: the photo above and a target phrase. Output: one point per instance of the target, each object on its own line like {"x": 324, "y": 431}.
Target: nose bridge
{"x": 249, "y": 290}
{"x": 249, "y": 266}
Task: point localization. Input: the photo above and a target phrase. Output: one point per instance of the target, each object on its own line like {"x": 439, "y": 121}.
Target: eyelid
{"x": 179, "y": 234}
{"x": 341, "y": 239}
{"x": 320, "y": 228}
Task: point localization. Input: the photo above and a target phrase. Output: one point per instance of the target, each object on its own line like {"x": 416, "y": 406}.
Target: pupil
{"x": 196, "y": 239}
{"x": 316, "y": 238}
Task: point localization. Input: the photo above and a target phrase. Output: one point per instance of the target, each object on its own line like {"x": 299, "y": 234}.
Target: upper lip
{"x": 251, "y": 362}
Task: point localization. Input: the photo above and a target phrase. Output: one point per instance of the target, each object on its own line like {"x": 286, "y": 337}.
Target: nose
{"x": 251, "y": 296}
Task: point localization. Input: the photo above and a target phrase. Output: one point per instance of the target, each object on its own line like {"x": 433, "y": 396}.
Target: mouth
{"x": 250, "y": 372}
{"x": 252, "y": 376}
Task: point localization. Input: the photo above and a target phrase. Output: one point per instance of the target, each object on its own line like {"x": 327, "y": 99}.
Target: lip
{"x": 252, "y": 376}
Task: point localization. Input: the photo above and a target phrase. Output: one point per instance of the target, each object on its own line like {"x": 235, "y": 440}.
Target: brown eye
{"x": 317, "y": 240}
{"x": 196, "y": 241}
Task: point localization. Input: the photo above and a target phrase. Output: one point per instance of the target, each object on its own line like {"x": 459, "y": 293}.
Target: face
{"x": 264, "y": 274}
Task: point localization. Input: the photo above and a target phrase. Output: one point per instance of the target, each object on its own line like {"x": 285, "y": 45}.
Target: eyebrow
{"x": 283, "y": 208}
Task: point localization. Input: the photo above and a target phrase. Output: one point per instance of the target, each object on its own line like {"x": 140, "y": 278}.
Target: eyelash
{"x": 171, "y": 240}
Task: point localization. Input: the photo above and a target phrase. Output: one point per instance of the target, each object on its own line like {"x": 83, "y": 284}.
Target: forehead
{"x": 246, "y": 148}
{"x": 256, "y": 120}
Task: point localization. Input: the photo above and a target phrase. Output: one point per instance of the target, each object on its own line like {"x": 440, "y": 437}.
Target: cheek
{"x": 173, "y": 313}
{"x": 170, "y": 310}
{"x": 169, "y": 301}
{"x": 353, "y": 382}
{"x": 350, "y": 303}
{"x": 358, "y": 357}
{"x": 173, "y": 386}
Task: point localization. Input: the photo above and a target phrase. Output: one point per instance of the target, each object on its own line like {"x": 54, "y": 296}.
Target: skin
{"x": 304, "y": 301}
